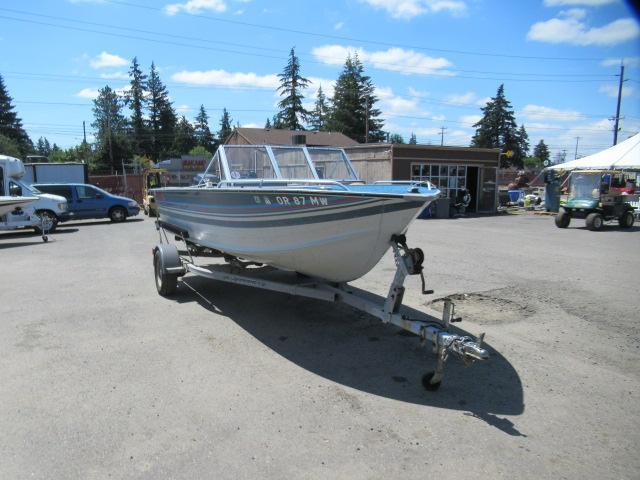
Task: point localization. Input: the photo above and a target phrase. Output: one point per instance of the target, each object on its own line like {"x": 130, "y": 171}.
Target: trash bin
{"x": 514, "y": 195}
{"x": 442, "y": 208}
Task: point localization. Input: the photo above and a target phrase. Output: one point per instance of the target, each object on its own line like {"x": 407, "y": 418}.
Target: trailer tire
{"x": 166, "y": 283}
{"x": 51, "y": 219}
{"x": 563, "y": 219}
{"x": 594, "y": 221}
{"x": 626, "y": 219}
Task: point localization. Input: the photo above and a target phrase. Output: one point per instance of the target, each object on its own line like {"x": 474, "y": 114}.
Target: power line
{"x": 352, "y": 39}
{"x": 443, "y": 73}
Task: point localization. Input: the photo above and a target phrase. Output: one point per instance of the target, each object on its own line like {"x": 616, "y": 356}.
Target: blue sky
{"x": 434, "y": 62}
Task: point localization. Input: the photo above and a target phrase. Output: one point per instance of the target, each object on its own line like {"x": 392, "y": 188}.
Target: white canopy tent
{"x": 623, "y": 156}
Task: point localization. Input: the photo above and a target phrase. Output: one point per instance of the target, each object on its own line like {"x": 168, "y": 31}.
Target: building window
{"x": 447, "y": 178}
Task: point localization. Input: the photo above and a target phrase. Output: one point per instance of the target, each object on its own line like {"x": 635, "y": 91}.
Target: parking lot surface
{"x": 102, "y": 378}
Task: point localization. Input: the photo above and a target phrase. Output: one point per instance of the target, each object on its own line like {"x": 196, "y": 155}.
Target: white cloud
{"x": 483, "y": 101}
{"x": 407, "y": 9}
{"x": 195, "y": 7}
{"x": 612, "y": 90}
{"x": 251, "y": 125}
{"x": 226, "y": 79}
{"x": 615, "y": 62}
{"x": 183, "y": 109}
{"x": 570, "y": 29}
{"x": 460, "y": 99}
{"x": 399, "y": 60}
{"x": 470, "y": 120}
{"x": 106, "y": 60}
{"x": 417, "y": 93}
{"x": 89, "y": 93}
{"x": 392, "y": 104}
{"x": 115, "y": 75}
{"x": 92, "y": 93}
{"x": 338, "y": 26}
{"x": 589, "y": 3}
{"x": 539, "y": 112}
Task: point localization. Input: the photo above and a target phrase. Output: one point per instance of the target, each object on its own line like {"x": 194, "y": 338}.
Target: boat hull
{"x": 9, "y": 204}
{"x": 336, "y": 236}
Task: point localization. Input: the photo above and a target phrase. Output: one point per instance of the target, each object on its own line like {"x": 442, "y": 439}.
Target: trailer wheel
{"x": 563, "y": 219}
{"x": 626, "y": 220}
{"x": 166, "y": 283}
{"x": 594, "y": 221}
{"x": 426, "y": 382}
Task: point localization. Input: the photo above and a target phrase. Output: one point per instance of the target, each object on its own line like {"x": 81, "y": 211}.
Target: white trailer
{"x": 69, "y": 172}
{"x": 42, "y": 215}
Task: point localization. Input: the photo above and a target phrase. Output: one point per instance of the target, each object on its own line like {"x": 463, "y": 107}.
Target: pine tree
{"x": 396, "y": 138}
{"x": 225, "y": 126}
{"x": 43, "y": 147}
{"x": 413, "y": 140}
{"x": 136, "y": 100}
{"x": 268, "y": 123}
{"x": 523, "y": 141}
{"x": 498, "y": 129}
{"x": 162, "y": 117}
{"x": 185, "y": 137}
{"x": 204, "y": 137}
{"x": 11, "y": 124}
{"x": 318, "y": 116}
{"x": 111, "y": 126}
{"x": 541, "y": 152}
{"x": 278, "y": 124}
{"x": 354, "y": 104}
{"x": 292, "y": 83}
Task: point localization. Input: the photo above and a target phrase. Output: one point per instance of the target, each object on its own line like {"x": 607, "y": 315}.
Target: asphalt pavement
{"x": 100, "y": 377}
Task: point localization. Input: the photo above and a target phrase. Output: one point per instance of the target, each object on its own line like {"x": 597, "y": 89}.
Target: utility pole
{"x": 442, "y": 129}
{"x": 110, "y": 144}
{"x": 615, "y": 128}
{"x": 366, "y": 121}
{"x": 575, "y": 156}
{"x": 84, "y": 133}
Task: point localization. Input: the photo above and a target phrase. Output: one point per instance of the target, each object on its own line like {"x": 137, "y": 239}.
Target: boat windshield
{"x": 292, "y": 163}
{"x": 585, "y": 186}
{"x": 249, "y": 162}
{"x": 332, "y": 164}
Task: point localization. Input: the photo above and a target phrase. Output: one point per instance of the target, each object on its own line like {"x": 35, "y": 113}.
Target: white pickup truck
{"x": 43, "y": 214}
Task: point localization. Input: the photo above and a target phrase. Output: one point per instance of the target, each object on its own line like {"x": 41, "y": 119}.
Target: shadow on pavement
{"x": 354, "y": 349}
{"x": 90, "y": 223}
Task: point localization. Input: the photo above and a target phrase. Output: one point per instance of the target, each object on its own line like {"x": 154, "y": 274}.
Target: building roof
{"x": 272, "y": 136}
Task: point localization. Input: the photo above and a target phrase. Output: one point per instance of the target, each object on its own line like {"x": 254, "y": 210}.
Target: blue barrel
{"x": 514, "y": 195}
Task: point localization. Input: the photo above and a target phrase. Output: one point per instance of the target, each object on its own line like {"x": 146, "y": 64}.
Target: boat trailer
{"x": 170, "y": 264}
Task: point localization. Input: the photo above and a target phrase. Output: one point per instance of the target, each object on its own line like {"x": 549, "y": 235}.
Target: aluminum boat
{"x": 297, "y": 208}
{"x": 9, "y": 204}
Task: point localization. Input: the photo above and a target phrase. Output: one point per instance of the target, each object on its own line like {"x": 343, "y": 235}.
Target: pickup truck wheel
{"x": 49, "y": 222}
{"x": 117, "y": 214}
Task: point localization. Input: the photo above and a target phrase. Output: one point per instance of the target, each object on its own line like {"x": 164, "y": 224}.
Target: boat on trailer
{"x": 9, "y": 204}
{"x": 295, "y": 208}
{"x": 303, "y": 210}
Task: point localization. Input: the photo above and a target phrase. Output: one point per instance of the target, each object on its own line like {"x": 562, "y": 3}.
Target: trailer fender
{"x": 169, "y": 259}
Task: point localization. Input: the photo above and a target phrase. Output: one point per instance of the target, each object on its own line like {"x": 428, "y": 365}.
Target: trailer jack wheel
{"x": 426, "y": 382}
{"x": 166, "y": 283}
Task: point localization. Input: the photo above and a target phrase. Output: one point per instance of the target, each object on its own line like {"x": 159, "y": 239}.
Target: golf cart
{"x": 599, "y": 196}
{"x": 152, "y": 178}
